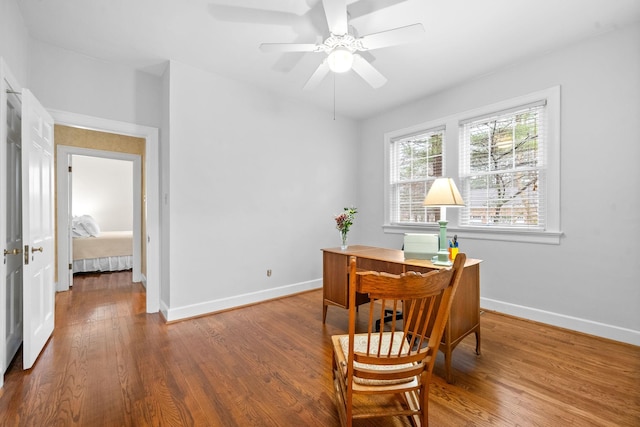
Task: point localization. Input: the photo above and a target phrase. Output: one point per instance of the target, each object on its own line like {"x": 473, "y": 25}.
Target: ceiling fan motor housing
{"x": 347, "y": 41}
{"x": 340, "y": 50}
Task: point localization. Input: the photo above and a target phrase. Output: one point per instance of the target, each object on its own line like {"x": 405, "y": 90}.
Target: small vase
{"x": 343, "y": 235}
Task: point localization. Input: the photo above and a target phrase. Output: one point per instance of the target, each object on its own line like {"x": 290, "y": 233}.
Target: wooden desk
{"x": 464, "y": 317}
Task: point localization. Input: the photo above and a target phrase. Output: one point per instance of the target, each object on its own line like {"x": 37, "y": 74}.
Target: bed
{"x": 100, "y": 251}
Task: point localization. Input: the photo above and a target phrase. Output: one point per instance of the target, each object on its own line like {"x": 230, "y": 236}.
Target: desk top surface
{"x": 390, "y": 255}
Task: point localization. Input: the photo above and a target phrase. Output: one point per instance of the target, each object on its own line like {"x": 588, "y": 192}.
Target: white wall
{"x": 74, "y": 83}
{"x": 591, "y": 281}
{"x": 255, "y": 181}
{"x": 14, "y": 39}
{"x": 103, "y": 188}
{"x": 165, "y": 285}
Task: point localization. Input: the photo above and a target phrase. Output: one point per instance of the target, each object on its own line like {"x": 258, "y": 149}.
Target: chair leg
{"x": 413, "y": 400}
{"x": 340, "y": 402}
{"x": 387, "y": 318}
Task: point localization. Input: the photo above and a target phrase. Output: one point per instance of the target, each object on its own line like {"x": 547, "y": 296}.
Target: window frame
{"x": 452, "y": 150}
{"x": 401, "y": 134}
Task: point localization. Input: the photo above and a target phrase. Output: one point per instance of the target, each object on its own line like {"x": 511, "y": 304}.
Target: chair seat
{"x": 394, "y": 341}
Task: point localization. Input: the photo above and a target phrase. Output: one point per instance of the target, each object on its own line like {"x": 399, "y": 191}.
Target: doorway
{"x": 151, "y": 199}
{"x": 66, "y": 210}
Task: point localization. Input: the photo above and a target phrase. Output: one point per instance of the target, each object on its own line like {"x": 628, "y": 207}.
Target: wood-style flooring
{"x": 111, "y": 364}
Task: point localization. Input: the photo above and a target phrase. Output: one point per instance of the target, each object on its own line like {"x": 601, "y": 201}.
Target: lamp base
{"x": 443, "y": 253}
{"x": 442, "y": 259}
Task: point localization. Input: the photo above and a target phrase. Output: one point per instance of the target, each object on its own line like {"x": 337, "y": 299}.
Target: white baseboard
{"x": 207, "y": 307}
{"x": 590, "y": 327}
{"x": 164, "y": 310}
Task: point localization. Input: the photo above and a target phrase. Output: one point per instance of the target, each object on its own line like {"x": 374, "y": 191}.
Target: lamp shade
{"x": 340, "y": 59}
{"x": 443, "y": 192}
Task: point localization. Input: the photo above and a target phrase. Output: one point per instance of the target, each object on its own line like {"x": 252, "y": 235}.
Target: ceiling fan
{"x": 341, "y": 46}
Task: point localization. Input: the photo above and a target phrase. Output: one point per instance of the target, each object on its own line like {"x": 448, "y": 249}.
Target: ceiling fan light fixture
{"x": 340, "y": 59}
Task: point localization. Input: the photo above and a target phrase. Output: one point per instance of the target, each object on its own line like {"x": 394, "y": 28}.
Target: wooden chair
{"x": 387, "y": 373}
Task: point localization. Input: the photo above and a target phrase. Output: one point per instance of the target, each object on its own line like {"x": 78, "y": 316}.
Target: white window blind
{"x": 503, "y": 168}
{"x": 415, "y": 161}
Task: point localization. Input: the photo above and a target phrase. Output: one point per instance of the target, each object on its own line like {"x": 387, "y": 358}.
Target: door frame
{"x": 64, "y": 195}
{"x": 152, "y": 189}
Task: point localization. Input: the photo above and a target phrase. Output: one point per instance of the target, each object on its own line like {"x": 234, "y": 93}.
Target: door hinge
{"x": 69, "y": 168}
{"x": 70, "y": 266}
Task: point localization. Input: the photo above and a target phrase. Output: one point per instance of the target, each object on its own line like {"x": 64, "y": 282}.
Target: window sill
{"x": 478, "y": 233}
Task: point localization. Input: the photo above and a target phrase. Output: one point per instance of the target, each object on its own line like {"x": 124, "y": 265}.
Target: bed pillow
{"x": 77, "y": 229}
{"x": 75, "y": 232}
{"x": 84, "y": 226}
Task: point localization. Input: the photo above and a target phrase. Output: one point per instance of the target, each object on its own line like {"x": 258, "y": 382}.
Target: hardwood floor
{"x": 111, "y": 364}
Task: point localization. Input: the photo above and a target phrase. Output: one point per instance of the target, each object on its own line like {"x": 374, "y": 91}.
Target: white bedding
{"x": 108, "y": 251}
{"x": 117, "y": 263}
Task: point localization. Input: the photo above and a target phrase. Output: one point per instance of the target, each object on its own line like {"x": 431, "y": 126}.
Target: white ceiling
{"x": 463, "y": 39}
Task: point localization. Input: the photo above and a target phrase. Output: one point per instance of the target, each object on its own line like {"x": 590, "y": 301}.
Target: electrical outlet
{"x": 268, "y": 273}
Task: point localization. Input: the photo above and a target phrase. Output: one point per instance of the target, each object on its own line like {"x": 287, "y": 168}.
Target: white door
{"x": 13, "y": 237}
{"x": 37, "y": 227}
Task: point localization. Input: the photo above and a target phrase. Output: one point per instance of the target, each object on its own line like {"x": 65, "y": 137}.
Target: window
{"x": 505, "y": 160}
{"x": 415, "y": 161}
{"x": 503, "y": 168}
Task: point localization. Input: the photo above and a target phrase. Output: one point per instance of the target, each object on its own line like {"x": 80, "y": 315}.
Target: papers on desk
{"x": 420, "y": 246}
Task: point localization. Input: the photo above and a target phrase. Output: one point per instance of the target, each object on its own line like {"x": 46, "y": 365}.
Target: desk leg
{"x": 447, "y": 365}
{"x": 324, "y": 312}
{"x": 478, "y": 341}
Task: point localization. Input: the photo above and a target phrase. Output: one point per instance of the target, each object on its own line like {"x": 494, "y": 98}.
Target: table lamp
{"x": 443, "y": 193}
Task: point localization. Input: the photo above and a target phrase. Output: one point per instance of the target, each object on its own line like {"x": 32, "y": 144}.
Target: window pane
{"x": 504, "y": 199}
{"x": 501, "y": 185}
{"x": 410, "y": 207}
{"x": 417, "y": 161}
{"x": 479, "y": 145}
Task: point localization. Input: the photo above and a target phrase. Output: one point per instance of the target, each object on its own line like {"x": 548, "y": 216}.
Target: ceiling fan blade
{"x": 393, "y": 37}
{"x": 250, "y": 15}
{"x": 336, "y": 13}
{"x": 288, "y": 47}
{"x": 365, "y": 7}
{"x": 286, "y": 61}
{"x": 292, "y": 7}
{"x": 318, "y": 75}
{"x": 367, "y": 72}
